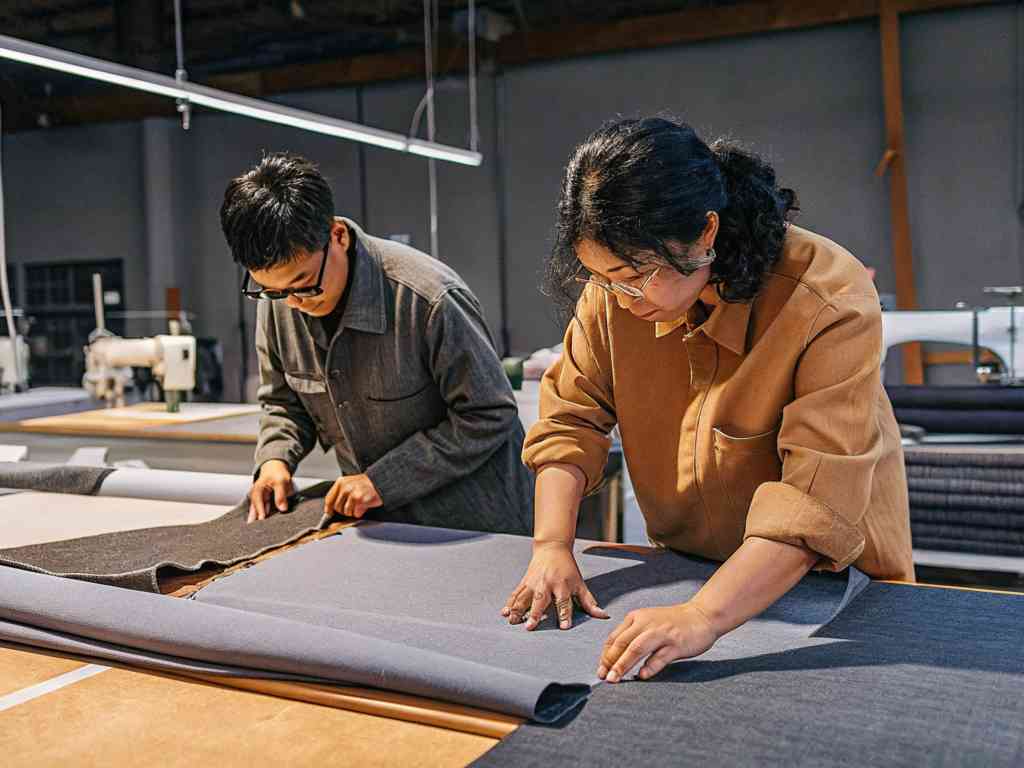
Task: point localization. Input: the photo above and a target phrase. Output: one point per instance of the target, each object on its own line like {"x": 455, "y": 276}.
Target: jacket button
{"x": 335, "y": 373}
{"x": 344, "y": 404}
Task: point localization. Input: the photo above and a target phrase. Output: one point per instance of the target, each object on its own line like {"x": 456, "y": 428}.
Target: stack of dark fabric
{"x": 978, "y": 409}
{"x": 967, "y": 499}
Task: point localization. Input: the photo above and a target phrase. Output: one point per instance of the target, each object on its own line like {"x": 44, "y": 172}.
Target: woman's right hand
{"x": 551, "y": 578}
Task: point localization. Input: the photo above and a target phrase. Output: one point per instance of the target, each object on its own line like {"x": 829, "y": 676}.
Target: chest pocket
{"x": 312, "y": 391}
{"x": 744, "y": 463}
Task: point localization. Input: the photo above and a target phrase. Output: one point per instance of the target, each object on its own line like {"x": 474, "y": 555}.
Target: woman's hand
{"x": 552, "y": 576}
{"x": 659, "y": 635}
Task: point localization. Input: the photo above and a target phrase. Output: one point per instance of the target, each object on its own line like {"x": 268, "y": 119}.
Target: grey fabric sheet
{"x": 970, "y": 421}
{"x": 134, "y": 559}
{"x": 108, "y": 624}
{"x": 968, "y": 533}
{"x": 970, "y": 397}
{"x": 442, "y": 590}
{"x": 905, "y": 676}
{"x": 403, "y": 607}
{"x": 52, "y": 478}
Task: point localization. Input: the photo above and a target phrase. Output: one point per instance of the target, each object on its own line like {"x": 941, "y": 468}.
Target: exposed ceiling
{"x": 231, "y": 36}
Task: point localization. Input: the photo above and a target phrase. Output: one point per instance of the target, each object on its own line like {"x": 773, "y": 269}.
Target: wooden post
{"x": 894, "y": 162}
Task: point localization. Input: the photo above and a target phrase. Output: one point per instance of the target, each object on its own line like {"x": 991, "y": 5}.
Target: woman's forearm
{"x": 556, "y": 503}
{"x": 755, "y": 576}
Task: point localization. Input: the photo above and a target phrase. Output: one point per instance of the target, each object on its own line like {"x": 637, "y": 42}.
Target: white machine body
{"x": 9, "y": 380}
{"x": 109, "y": 360}
{"x": 995, "y": 330}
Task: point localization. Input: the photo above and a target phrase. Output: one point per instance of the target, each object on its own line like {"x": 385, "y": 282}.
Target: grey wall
{"x": 811, "y": 100}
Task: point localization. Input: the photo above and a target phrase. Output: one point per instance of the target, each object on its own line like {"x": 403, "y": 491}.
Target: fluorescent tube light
{"x": 161, "y": 85}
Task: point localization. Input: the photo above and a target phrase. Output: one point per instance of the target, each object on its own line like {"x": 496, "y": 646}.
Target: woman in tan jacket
{"x": 740, "y": 357}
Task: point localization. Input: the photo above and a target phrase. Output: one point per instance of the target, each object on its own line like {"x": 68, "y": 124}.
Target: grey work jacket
{"x": 409, "y": 391}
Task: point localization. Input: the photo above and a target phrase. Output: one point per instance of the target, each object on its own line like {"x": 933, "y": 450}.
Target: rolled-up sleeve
{"x": 286, "y": 430}
{"x": 577, "y": 407}
{"x": 830, "y": 439}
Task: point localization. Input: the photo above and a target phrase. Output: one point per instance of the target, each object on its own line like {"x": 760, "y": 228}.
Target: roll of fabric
{"x": 977, "y": 397}
{"x": 984, "y": 474}
{"x": 965, "y": 501}
{"x": 970, "y": 546}
{"x": 990, "y": 457}
{"x": 969, "y": 517}
{"x": 993, "y": 421}
{"x": 969, "y": 533}
{"x": 953, "y": 484}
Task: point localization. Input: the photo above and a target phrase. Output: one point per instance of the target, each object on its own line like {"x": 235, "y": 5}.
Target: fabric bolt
{"x": 905, "y": 676}
{"x": 959, "y": 485}
{"x": 963, "y": 457}
{"x": 982, "y": 398}
{"x": 761, "y": 419}
{"x": 968, "y": 545}
{"x": 52, "y": 478}
{"x": 917, "y": 472}
{"x": 969, "y": 533}
{"x": 394, "y": 606}
{"x": 967, "y": 501}
{"x": 1013, "y": 521}
{"x": 135, "y": 558}
{"x": 983, "y": 422}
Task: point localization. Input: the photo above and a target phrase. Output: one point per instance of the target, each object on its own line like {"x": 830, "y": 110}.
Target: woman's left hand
{"x": 659, "y": 635}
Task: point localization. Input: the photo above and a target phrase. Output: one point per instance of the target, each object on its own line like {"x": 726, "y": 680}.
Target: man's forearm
{"x": 758, "y": 573}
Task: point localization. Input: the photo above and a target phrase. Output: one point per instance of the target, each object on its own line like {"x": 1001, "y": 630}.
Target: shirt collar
{"x": 367, "y": 300}
{"x": 726, "y": 325}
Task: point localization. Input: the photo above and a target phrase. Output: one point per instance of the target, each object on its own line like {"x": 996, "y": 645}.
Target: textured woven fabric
{"x": 1013, "y": 475}
{"x": 967, "y": 501}
{"x": 52, "y": 478}
{"x": 905, "y": 676}
{"x": 1008, "y": 521}
{"x": 983, "y": 398}
{"x": 961, "y": 458}
{"x": 987, "y": 422}
{"x": 963, "y": 485}
{"x": 967, "y": 545}
{"x": 969, "y": 533}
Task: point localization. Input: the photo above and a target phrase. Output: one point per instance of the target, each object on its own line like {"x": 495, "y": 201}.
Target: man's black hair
{"x": 281, "y": 206}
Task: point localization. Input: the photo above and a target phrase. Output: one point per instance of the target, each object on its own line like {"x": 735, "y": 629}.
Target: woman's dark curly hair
{"x": 643, "y": 187}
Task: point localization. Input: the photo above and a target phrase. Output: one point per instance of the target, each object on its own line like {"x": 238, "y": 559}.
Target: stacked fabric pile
{"x": 967, "y": 499}
{"x": 978, "y": 409}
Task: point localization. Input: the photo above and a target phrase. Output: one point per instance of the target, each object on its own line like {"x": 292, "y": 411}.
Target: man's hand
{"x": 273, "y": 483}
{"x": 659, "y": 635}
{"x": 552, "y": 578}
{"x": 352, "y": 496}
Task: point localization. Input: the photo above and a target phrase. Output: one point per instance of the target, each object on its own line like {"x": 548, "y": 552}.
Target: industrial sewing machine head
{"x": 109, "y": 360}
{"x": 994, "y": 329}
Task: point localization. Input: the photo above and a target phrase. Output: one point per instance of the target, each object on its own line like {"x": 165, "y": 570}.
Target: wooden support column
{"x": 894, "y": 162}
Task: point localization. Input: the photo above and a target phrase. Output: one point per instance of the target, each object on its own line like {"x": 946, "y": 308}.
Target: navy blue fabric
{"x": 904, "y": 676}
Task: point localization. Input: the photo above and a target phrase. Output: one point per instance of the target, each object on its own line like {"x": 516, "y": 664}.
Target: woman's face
{"x": 667, "y": 296}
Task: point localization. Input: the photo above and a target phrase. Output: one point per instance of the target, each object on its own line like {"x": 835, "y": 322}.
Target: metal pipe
{"x": 4, "y": 288}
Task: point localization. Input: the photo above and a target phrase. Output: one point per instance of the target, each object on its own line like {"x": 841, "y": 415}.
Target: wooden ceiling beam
{"x": 687, "y": 26}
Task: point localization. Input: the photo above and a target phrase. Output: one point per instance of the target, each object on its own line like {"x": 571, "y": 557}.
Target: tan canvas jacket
{"x": 765, "y": 419}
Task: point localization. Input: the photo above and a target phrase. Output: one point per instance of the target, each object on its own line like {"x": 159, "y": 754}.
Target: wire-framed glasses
{"x": 276, "y": 294}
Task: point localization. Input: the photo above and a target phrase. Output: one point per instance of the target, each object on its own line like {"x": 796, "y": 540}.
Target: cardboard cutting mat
{"x": 37, "y": 518}
{"x": 121, "y": 717}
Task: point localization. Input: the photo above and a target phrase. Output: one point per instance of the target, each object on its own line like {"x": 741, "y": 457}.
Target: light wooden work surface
{"x": 122, "y": 717}
{"x": 146, "y": 420}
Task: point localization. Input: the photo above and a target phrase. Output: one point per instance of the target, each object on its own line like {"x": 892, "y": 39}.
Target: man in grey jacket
{"x": 381, "y": 353}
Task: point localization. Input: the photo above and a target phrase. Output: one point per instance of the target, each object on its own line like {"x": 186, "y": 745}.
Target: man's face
{"x": 302, "y": 272}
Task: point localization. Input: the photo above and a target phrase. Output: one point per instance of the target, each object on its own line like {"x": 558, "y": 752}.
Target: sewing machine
{"x": 993, "y": 328}
{"x": 109, "y": 360}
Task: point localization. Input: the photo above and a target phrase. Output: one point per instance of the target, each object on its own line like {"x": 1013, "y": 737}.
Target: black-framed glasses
{"x": 276, "y": 294}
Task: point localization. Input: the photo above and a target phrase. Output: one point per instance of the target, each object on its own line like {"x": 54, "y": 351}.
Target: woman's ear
{"x": 710, "y": 230}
